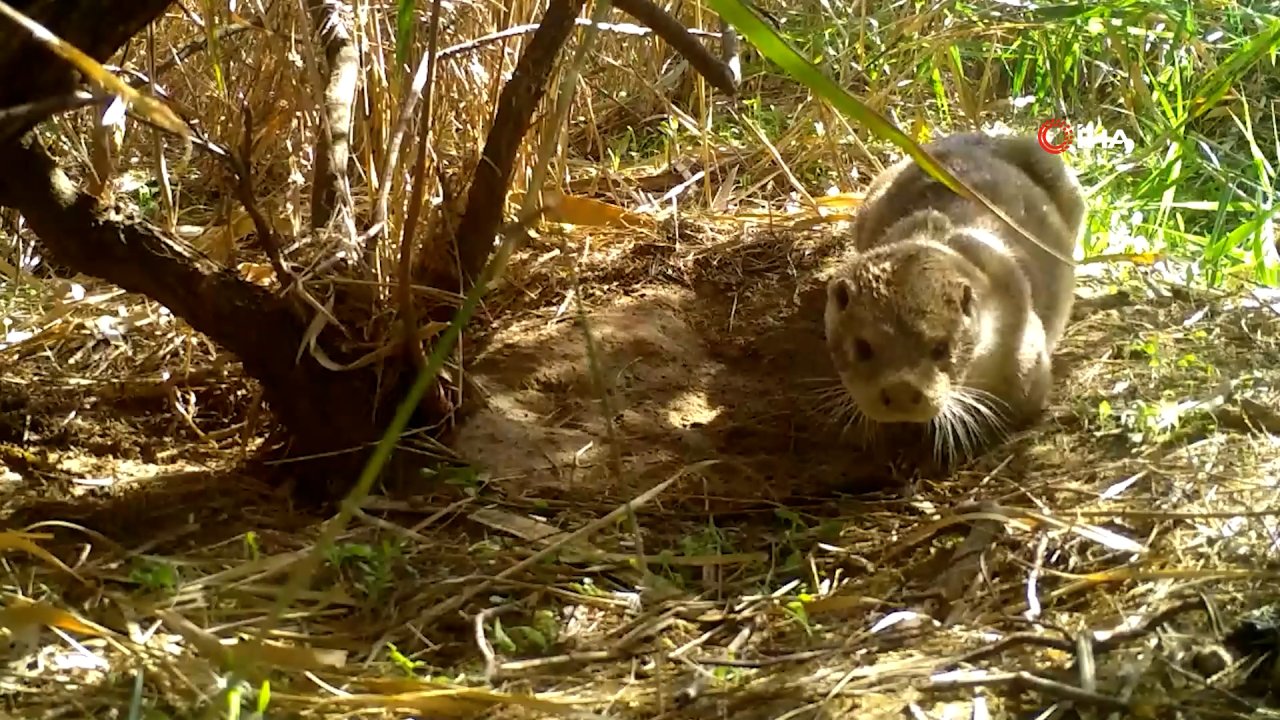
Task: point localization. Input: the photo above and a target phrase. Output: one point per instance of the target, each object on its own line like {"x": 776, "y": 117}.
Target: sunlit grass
{"x": 1192, "y": 85}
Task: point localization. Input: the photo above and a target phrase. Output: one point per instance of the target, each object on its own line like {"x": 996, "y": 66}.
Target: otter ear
{"x": 929, "y": 223}
{"x": 937, "y": 223}
{"x": 966, "y": 299}
{"x": 840, "y": 293}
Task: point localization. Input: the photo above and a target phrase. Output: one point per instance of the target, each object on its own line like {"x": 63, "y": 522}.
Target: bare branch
{"x": 520, "y": 97}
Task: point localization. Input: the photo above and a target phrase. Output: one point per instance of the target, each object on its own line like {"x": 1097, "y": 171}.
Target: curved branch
{"x": 96, "y": 27}
{"x": 520, "y": 97}
{"x": 260, "y": 328}
{"x": 677, "y": 36}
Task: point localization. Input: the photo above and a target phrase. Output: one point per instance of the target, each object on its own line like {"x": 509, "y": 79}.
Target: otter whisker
{"x": 832, "y": 401}
{"x": 831, "y": 404}
{"x": 851, "y": 422}
{"x": 968, "y": 416}
{"x": 867, "y": 428}
{"x": 969, "y": 423}
{"x": 973, "y": 430}
{"x": 966, "y": 426}
{"x": 996, "y": 411}
{"x": 857, "y": 418}
{"x": 972, "y": 403}
{"x": 846, "y": 415}
{"x": 848, "y": 409}
{"x": 950, "y": 436}
{"x": 972, "y": 417}
{"x": 943, "y": 440}
{"x": 943, "y": 431}
{"x": 950, "y": 430}
{"x": 978, "y": 415}
{"x": 870, "y": 426}
{"x": 829, "y": 385}
{"x": 990, "y": 403}
{"x": 838, "y": 408}
{"x": 829, "y": 392}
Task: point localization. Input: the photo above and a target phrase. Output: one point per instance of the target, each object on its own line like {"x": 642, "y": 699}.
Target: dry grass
{"x": 691, "y": 540}
{"x": 761, "y": 597}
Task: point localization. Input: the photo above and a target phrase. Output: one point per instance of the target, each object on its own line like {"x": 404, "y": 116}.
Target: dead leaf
{"x": 219, "y": 241}
{"x": 451, "y": 702}
{"x": 147, "y": 106}
{"x": 295, "y": 657}
{"x": 1261, "y": 415}
{"x": 205, "y": 643}
{"x": 21, "y": 615}
{"x": 248, "y": 655}
{"x": 1093, "y": 533}
{"x": 841, "y": 603}
{"x": 841, "y": 200}
{"x": 23, "y": 541}
{"x": 575, "y": 210}
{"x": 261, "y": 274}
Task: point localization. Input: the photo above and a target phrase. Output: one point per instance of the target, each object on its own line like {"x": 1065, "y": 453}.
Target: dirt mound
{"x": 723, "y": 366}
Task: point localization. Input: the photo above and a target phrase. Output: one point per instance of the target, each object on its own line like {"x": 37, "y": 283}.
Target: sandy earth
{"x": 730, "y": 364}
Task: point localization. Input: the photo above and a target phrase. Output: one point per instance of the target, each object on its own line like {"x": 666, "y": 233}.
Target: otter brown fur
{"x": 947, "y": 317}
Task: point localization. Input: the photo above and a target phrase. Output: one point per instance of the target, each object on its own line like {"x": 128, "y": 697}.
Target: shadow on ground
{"x": 1157, "y": 455}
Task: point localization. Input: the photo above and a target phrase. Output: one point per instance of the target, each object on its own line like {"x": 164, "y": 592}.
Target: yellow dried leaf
{"x": 219, "y": 241}
{"x": 1147, "y": 258}
{"x": 920, "y": 130}
{"x": 23, "y": 541}
{"x": 840, "y": 200}
{"x": 147, "y": 106}
{"x": 257, "y": 273}
{"x": 22, "y": 614}
{"x": 816, "y": 220}
{"x": 206, "y": 643}
{"x": 285, "y": 656}
{"x": 576, "y": 210}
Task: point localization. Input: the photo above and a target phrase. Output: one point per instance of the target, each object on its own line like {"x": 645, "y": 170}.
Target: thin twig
{"x": 461, "y": 598}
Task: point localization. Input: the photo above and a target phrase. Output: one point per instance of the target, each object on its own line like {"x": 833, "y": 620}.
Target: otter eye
{"x": 862, "y": 350}
{"x": 840, "y": 293}
{"x": 941, "y": 351}
{"x": 966, "y": 300}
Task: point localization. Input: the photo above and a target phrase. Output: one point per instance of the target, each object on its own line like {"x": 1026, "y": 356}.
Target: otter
{"x": 946, "y": 317}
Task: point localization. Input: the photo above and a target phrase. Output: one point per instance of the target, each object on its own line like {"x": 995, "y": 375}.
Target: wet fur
{"x": 936, "y": 269}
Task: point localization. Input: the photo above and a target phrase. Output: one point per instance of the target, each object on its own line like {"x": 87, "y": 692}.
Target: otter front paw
{"x": 1038, "y": 382}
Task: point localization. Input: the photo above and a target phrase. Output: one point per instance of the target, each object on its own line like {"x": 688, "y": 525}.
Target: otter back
{"x": 947, "y": 316}
{"x": 1033, "y": 187}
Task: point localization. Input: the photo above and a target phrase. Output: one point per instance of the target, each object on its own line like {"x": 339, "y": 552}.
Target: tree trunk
{"x": 520, "y": 97}
{"x": 259, "y": 327}
{"x": 97, "y": 27}
{"x": 333, "y": 137}
{"x": 323, "y": 411}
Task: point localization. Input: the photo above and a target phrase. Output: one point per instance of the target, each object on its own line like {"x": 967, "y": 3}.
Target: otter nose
{"x": 901, "y": 395}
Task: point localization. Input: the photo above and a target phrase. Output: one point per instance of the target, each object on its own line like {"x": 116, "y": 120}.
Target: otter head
{"x": 902, "y": 326}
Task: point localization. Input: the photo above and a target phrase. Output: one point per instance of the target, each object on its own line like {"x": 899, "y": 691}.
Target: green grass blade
{"x": 775, "y": 48}
{"x": 1220, "y": 80}
{"x": 404, "y": 29}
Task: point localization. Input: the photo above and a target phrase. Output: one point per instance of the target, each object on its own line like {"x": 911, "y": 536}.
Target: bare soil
{"x": 1147, "y": 491}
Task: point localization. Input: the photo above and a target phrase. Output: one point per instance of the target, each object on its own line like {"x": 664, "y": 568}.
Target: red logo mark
{"x": 1064, "y": 141}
